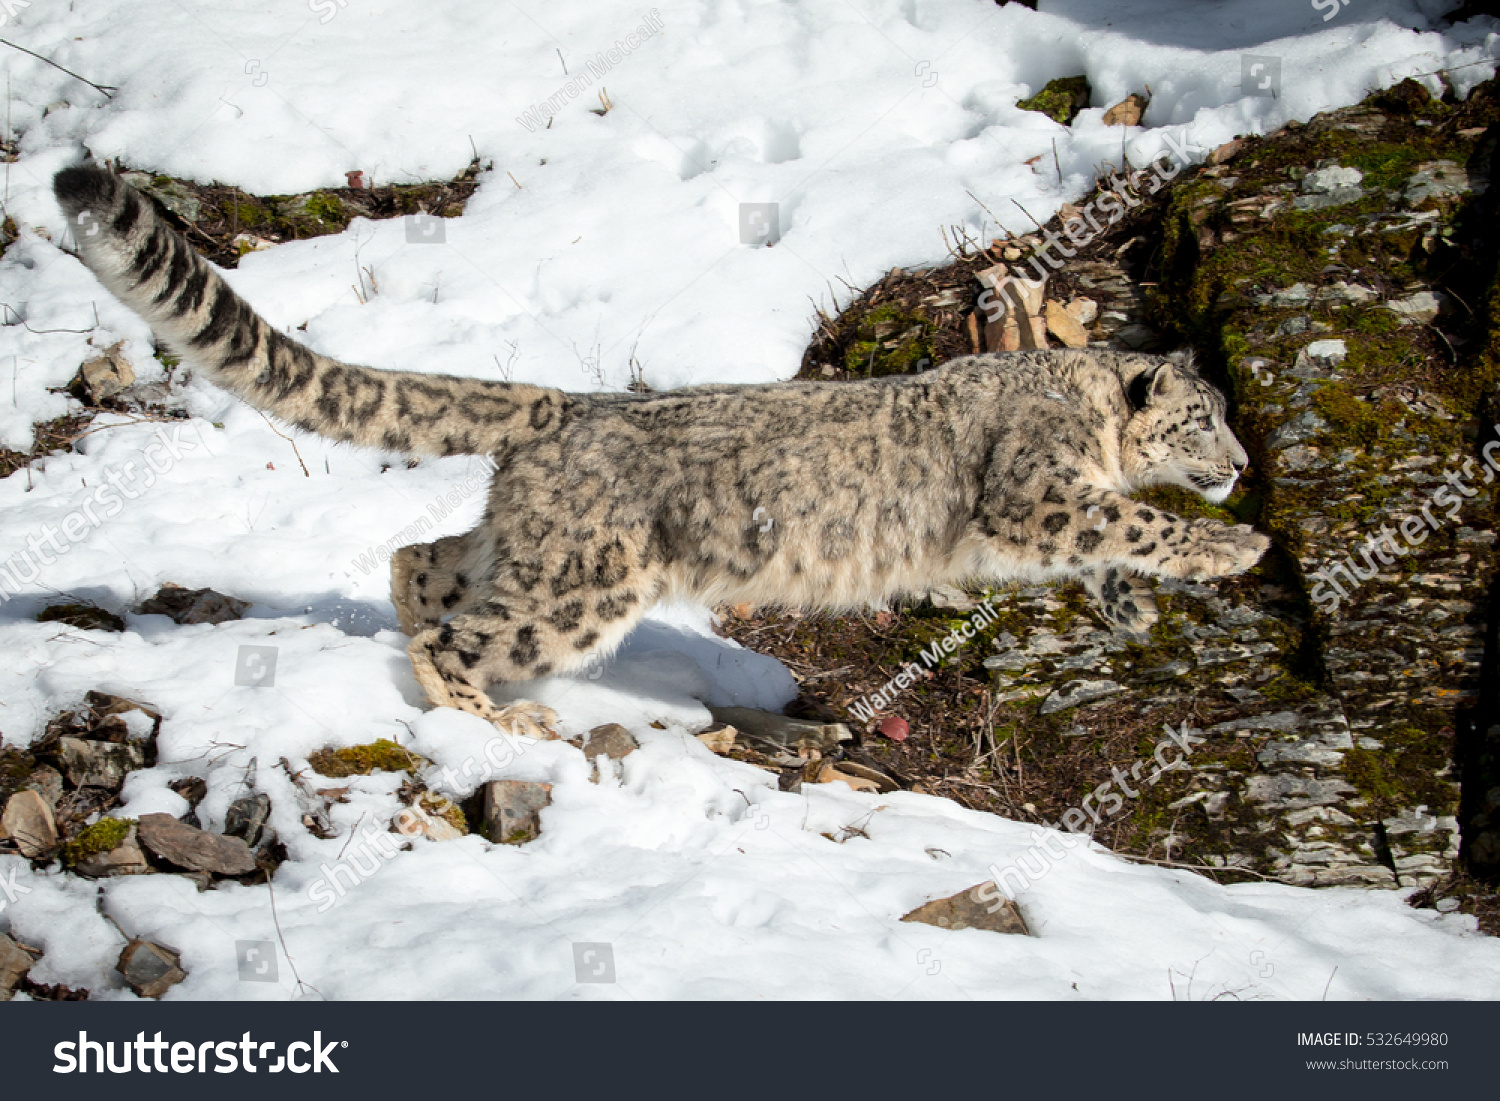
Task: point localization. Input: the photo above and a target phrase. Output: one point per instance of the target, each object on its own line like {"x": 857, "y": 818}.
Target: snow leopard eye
{"x": 1205, "y": 424}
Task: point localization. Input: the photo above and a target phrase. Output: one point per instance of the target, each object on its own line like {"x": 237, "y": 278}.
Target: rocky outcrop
{"x": 1338, "y": 279}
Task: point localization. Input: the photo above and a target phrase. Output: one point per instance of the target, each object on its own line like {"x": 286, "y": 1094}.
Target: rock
{"x": 857, "y": 776}
{"x": 98, "y": 764}
{"x": 1437, "y": 181}
{"x": 46, "y": 781}
{"x": 102, "y": 377}
{"x": 512, "y": 810}
{"x": 829, "y": 773}
{"x": 126, "y": 858}
{"x": 719, "y": 738}
{"x": 151, "y": 969}
{"x": 188, "y": 606}
{"x": 1083, "y": 310}
{"x": 1060, "y": 98}
{"x": 196, "y": 850}
{"x": 970, "y": 910}
{"x": 85, "y": 617}
{"x": 246, "y": 818}
{"x": 1333, "y": 185}
{"x": 1419, "y": 309}
{"x": 432, "y": 816}
{"x": 15, "y": 961}
{"x": 782, "y": 730}
{"x": 1062, "y": 325}
{"x": 610, "y": 740}
{"x": 1226, "y": 152}
{"x": 28, "y": 821}
{"x": 191, "y": 788}
{"x": 1077, "y": 692}
{"x": 952, "y": 598}
{"x": 1127, "y": 112}
{"x": 167, "y": 191}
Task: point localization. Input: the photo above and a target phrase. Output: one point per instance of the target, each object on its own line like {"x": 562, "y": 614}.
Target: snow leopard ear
{"x": 1183, "y": 358}
{"x": 1152, "y": 385}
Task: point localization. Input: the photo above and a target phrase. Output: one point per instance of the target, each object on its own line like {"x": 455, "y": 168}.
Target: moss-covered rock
{"x": 382, "y": 755}
{"x": 1060, "y": 99}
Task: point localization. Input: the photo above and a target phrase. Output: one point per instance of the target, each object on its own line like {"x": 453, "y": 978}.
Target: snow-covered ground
{"x": 872, "y": 125}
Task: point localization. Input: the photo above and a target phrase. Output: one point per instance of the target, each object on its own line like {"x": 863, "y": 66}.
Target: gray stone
{"x": 1417, "y": 309}
{"x": 98, "y": 764}
{"x": 27, "y": 820}
{"x": 151, "y": 969}
{"x": 104, "y": 376}
{"x": 1077, "y": 692}
{"x": 512, "y": 810}
{"x": 610, "y": 740}
{"x": 1438, "y": 180}
{"x": 982, "y": 906}
{"x": 196, "y": 850}
{"x": 246, "y": 818}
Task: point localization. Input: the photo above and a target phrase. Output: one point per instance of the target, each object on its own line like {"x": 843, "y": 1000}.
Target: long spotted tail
{"x": 152, "y": 269}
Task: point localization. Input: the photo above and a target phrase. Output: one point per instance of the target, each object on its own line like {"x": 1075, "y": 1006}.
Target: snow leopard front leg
{"x": 1105, "y": 538}
{"x": 1099, "y": 527}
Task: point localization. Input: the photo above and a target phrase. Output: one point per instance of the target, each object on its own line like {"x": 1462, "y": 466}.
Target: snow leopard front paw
{"x": 1124, "y": 600}
{"x": 1213, "y": 549}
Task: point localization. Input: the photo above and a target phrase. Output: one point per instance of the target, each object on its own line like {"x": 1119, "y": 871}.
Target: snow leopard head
{"x": 1177, "y": 434}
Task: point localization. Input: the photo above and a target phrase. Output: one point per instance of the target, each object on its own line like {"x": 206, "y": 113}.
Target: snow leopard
{"x": 831, "y": 495}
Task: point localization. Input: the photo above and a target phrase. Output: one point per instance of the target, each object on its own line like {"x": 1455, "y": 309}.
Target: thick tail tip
{"x": 84, "y": 187}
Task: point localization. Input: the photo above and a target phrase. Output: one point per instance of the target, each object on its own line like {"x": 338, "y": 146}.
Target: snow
{"x": 873, "y": 126}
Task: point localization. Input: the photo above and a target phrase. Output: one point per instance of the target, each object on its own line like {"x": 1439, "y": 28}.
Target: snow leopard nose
{"x": 1237, "y": 455}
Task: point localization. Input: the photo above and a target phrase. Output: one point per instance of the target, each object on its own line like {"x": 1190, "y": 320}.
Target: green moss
{"x": 103, "y": 836}
{"x": 326, "y": 207}
{"x": 1403, "y": 772}
{"x": 888, "y": 341}
{"x": 1061, "y": 99}
{"x": 383, "y": 755}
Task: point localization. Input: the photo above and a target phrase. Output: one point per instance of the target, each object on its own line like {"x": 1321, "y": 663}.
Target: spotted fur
{"x": 987, "y": 469}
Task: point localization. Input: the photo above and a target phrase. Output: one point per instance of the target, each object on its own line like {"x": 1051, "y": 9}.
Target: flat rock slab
{"x": 512, "y": 810}
{"x": 28, "y": 821}
{"x": 194, "y": 849}
{"x": 782, "y": 730}
{"x": 972, "y": 909}
{"x": 151, "y": 969}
